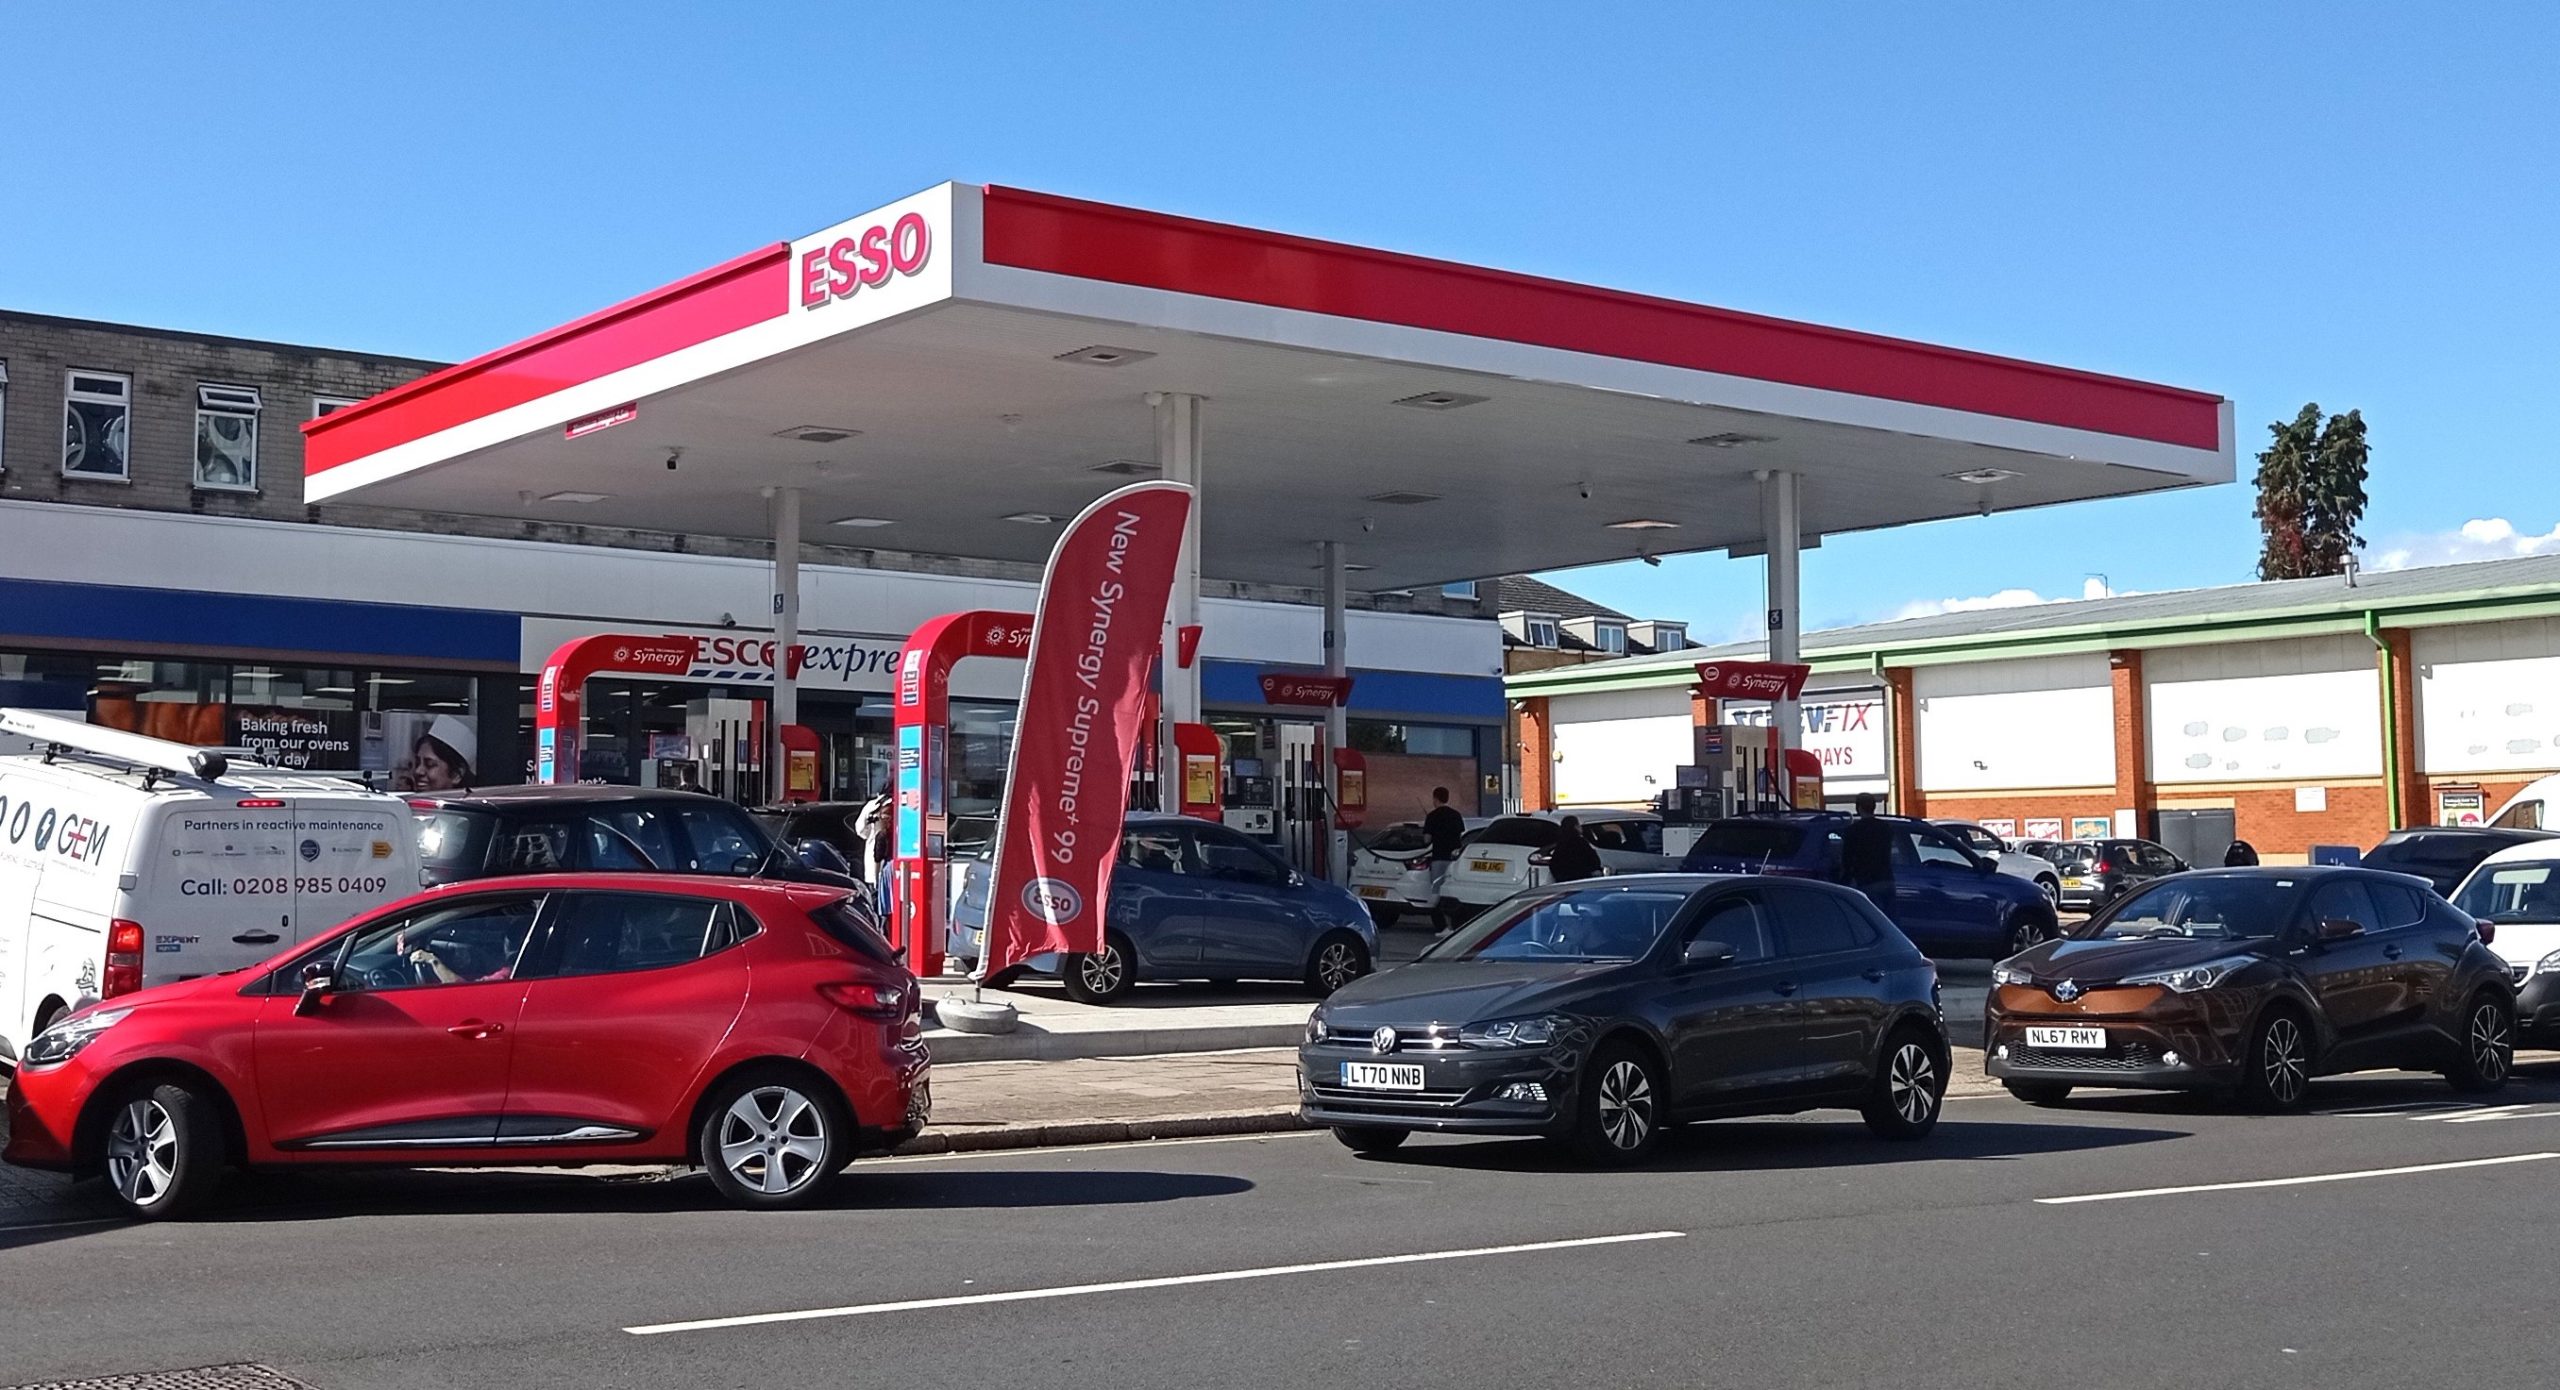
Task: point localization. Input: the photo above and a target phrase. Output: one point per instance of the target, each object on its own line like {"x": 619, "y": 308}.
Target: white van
{"x": 128, "y": 861}
{"x": 2537, "y": 807}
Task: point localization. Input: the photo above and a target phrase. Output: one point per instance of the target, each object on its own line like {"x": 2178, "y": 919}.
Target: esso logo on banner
{"x": 1052, "y": 900}
{"x": 853, "y": 263}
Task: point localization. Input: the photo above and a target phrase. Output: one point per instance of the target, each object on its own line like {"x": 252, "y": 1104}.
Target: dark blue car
{"x": 1949, "y": 900}
{"x": 1192, "y": 900}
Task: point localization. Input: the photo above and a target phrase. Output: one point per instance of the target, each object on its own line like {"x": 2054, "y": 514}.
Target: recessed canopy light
{"x": 1128, "y": 468}
{"x": 1104, "y": 355}
{"x": 860, "y": 521}
{"x": 1347, "y": 565}
{"x": 1033, "y": 518}
{"x": 1402, "y": 499}
{"x": 816, "y": 434}
{"x": 573, "y": 497}
{"x": 1644, "y": 524}
{"x": 1441, "y": 400}
{"x": 1731, "y": 440}
{"x": 1985, "y": 475}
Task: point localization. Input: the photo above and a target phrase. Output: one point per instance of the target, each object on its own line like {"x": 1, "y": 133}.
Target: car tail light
{"x": 869, "y": 999}
{"x": 260, "y": 803}
{"x": 124, "y": 959}
{"x": 2488, "y": 930}
{"x": 1419, "y": 861}
{"x": 421, "y": 804}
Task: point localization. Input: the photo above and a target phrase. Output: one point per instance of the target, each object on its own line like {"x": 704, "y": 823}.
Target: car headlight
{"x": 1513, "y": 1032}
{"x": 2011, "y": 975}
{"x": 2547, "y": 963}
{"x": 2188, "y": 979}
{"x": 63, "y": 1041}
{"x": 1315, "y": 1027}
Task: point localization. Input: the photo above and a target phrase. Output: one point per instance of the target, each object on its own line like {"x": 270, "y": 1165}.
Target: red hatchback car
{"x": 759, "y": 1029}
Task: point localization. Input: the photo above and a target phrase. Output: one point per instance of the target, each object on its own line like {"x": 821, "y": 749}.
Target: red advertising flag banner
{"x": 1094, "y": 641}
{"x": 1752, "y": 680}
{"x": 1289, "y": 688}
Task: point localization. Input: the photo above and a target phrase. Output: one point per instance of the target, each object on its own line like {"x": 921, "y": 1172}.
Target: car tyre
{"x": 1337, "y": 960}
{"x": 2052, "y": 891}
{"x": 1618, "y": 1109}
{"x": 2028, "y": 926}
{"x": 2276, "y": 1070}
{"x": 2488, "y": 1045}
{"x": 1385, "y": 914}
{"x": 1909, "y": 1089}
{"x": 1370, "y": 1139}
{"x": 2040, "y": 1092}
{"x": 164, "y": 1151}
{"x": 771, "y": 1139}
{"x": 1101, "y": 977}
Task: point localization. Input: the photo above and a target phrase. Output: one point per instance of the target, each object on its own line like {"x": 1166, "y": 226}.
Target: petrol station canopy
{"x": 943, "y": 375}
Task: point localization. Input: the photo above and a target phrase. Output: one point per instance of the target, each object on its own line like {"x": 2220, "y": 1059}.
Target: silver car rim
{"x": 142, "y": 1152}
{"x": 2285, "y": 1072}
{"x": 1626, "y": 1105}
{"x": 2052, "y": 891}
{"x": 2492, "y": 1051}
{"x": 1101, "y": 970}
{"x": 1336, "y": 965}
{"x": 773, "y": 1140}
{"x": 1913, "y": 1083}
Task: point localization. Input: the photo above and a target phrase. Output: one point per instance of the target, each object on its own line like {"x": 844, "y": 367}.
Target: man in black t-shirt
{"x": 1445, "y": 828}
{"x": 1866, "y": 855}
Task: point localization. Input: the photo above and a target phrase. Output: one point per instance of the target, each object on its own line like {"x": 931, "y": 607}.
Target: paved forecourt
{"x": 2379, "y": 1242}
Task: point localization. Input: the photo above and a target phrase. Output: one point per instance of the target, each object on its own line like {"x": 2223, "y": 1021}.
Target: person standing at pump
{"x": 1866, "y": 855}
{"x": 1572, "y": 858}
{"x": 1445, "y": 828}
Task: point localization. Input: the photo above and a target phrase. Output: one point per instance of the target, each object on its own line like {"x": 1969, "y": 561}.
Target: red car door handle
{"x": 474, "y": 1028}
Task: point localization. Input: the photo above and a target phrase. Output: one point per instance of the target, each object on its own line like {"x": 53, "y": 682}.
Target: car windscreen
{"x": 2206, "y": 907}
{"x": 839, "y": 919}
{"x": 1749, "y": 839}
{"x": 1527, "y": 831}
{"x": 1599, "y": 923}
{"x": 454, "y": 844}
{"x": 2520, "y": 890}
{"x": 1399, "y": 839}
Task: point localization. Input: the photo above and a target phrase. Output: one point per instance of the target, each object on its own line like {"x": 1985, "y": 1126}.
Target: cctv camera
{"x": 1653, "y": 560}
{"x": 672, "y": 456}
{"x": 728, "y": 620}
{"x": 1584, "y": 489}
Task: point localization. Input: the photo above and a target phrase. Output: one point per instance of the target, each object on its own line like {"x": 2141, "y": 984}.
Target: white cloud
{"x": 2486, "y": 538}
{"x": 2095, "y": 586}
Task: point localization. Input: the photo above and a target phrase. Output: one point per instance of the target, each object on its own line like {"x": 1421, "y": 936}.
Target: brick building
{"x": 2291, "y": 714}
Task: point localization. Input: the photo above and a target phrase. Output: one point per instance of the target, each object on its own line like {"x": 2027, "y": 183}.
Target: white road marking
{"x": 2467, "y": 1113}
{"x": 2293, "y": 1182}
{"x": 1224, "y": 1276}
{"x": 2494, "y": 1112}
{"x": 2517, "y": 1113}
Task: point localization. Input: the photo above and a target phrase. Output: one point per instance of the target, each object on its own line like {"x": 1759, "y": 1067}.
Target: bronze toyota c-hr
{"x": 2254, "y": 980}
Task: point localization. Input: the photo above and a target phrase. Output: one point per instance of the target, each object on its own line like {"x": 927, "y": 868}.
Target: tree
{"x": 2311, "y": 494}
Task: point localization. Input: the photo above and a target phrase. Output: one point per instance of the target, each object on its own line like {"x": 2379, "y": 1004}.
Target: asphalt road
{"x": 1781, "y": 1253}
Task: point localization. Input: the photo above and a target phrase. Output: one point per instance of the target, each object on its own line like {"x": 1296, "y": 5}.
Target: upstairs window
{"x": 97, "y": 420}
{"x": 1610, "y": 638}
{"x": 227, "y": 438}
{"x": 329, "y": 405}
{"x": 1465, "y": 588}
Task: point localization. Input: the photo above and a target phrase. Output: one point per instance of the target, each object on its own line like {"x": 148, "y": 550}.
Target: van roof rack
{"x": 153, "y": 757}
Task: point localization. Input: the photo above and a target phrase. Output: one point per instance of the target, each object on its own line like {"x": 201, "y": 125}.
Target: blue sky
{"x": 2354, "y": 204}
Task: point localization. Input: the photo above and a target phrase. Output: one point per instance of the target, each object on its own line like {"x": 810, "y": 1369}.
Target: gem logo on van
{"x": 47, "y": 831}
{"x": 310, "y": 851}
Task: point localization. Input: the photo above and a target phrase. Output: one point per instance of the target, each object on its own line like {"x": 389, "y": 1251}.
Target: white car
{"x": 2517, "y": 892}
{"x": 1392, "y": 871}
{"x": 2536, "y": 807}
{"x": 2034, "y": 868}
{"x": 1511, "y": 853}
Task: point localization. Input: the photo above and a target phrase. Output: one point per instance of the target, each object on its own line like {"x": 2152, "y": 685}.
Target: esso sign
{"x": 864, "y": 260}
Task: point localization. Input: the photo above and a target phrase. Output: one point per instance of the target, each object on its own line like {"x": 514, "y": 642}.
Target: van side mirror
{"x": 2339, "y": 929}
{"x": 1705, "y": 952}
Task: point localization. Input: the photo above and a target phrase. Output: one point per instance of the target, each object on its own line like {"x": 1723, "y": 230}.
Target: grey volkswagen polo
{"x": 1599, "y": 1012}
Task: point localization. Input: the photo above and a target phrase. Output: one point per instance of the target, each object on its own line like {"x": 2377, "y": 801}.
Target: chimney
{"x": 2351, "y": 569}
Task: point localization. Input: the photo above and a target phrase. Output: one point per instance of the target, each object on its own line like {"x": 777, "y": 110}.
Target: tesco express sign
{"x": 862, "y": 260}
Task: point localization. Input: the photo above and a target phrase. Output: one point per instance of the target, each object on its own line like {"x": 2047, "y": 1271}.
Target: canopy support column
{"x": 1178, "y": 461}
{"x": 786, "y": 638}
{"x": 1337, "y": 717}
{"x": 1782, "y": 522}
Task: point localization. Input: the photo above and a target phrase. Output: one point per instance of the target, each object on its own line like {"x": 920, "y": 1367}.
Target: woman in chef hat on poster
{"x": 440, "y": 756}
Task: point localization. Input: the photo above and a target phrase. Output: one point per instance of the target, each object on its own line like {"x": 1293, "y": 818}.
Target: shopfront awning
{"x": 940, "y": 375}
